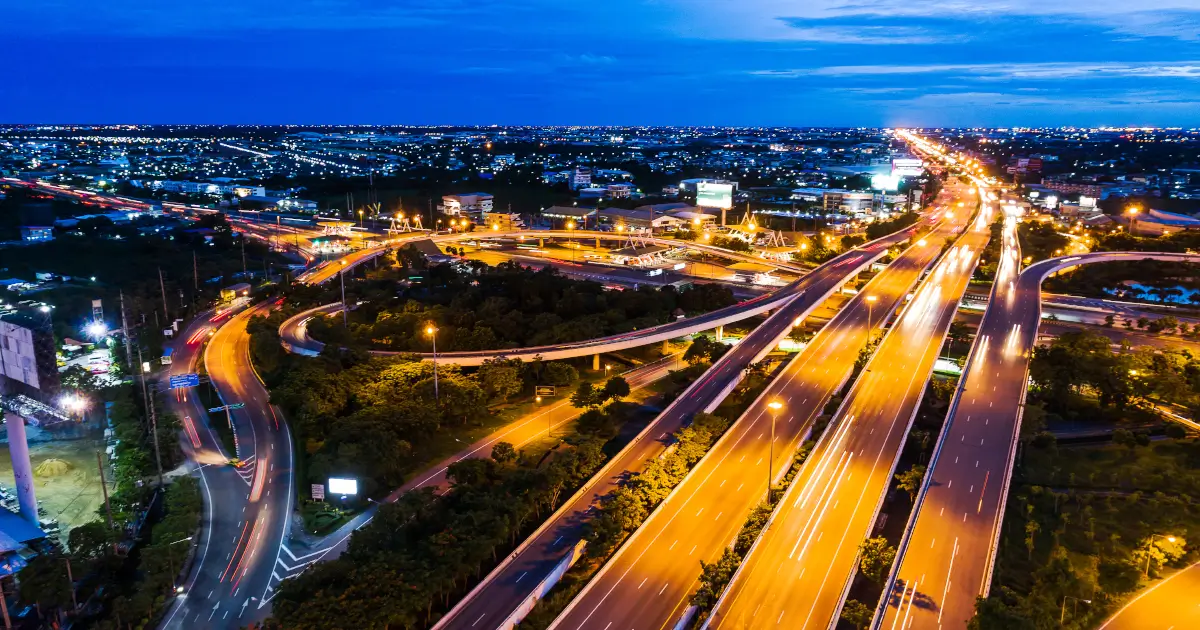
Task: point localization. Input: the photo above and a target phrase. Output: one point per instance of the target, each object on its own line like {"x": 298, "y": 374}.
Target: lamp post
{"x": 549, "y": 426}
{"x": 1170, "y": 539}
{"x": 432, "y": 332}
{"x": 571, "y": 231}
{"x": 171, "y": 563}
{"x": 774, "y": 406}
{"x": 870, "y": 330}
{"x": 360, "y": 219}
{"x": 342, "y": 277}
{"x": 1063, "y": 615}
{"x": 1133, "y": 212}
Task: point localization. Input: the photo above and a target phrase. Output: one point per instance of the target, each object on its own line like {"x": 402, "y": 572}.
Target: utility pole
{"x": 162, "y": 287}
{"x": 243, "y": 239}
{"x": 153, "y": 421}
{"x": 195, "y": 273}
{"x": 125, "y": 334}
{"x": 104, "y": 489}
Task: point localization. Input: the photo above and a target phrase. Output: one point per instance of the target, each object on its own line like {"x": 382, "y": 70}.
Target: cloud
{"x": 1005, "y": 71}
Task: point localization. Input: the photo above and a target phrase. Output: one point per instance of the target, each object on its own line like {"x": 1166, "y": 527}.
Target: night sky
{"x": 657, "y": 62}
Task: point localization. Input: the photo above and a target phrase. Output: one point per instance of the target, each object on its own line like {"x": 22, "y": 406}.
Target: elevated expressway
{"x": 497, "y": 601}
{"x": 647, "y": 583}
{"x": 946, "y": 557}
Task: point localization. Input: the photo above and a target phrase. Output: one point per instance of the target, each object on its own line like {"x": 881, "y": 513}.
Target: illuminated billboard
{"x": 343, "y": 486}
{"x": 714, "y": 195}
{"x": 885, "y": 182}
{"x": 907, "y": 167}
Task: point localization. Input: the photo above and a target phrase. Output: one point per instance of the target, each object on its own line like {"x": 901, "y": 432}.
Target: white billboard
{"x": 714, "y": 195}
{"x": 16, "y": 354}
{"x": 885, "y": 182}
{"x": 907, "y": 167}
{"x": 343, "y": 486}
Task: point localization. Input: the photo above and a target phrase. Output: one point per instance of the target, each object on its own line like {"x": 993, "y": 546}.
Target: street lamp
{"x": 870, "y": 330}
{"x": 342, "y": 277}
{"x": 1063, "y": 615}
{"x": 171, "y": 564}
{"x": 571, "y": 231}
{"x": 774, "y": 406}
{"x": 1133, "y": 212}
{"x": 1150, "y": 543}
{"x": 431, "y": 330}
{"x": 360, "y": 219}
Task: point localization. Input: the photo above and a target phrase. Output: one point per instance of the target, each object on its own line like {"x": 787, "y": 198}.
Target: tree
{"x": 616, "y": 388}
{"x": 560, "y": 374}
{"x": 877, "y": 557}
{"x": 584, "y": 396}
{"x": 910, "y": 480}
{"x": 714, "y": 577}
{"x": 503, "y": 453}
{"x": 44, "y": 583}
{"x": 500, "y": 378}
{"x": 993, "y": 614}
{"x": 959, "y": 333}
{"x": 857, "y": 614}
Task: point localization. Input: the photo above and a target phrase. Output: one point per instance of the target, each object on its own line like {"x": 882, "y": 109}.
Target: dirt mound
{"x": 52, "y": 468}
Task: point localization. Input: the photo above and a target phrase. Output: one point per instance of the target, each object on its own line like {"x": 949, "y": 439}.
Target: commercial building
{"x": 28, "y": 362}
{"x": 503, "y": 221}
{"x": 477, "y": 204}
{"x": 37, "y": 233}
{"x": 848, "y": 202}
{"x": 1159, "y": 223}
{"x": 638, "y": 219}
{"x": 620, "y": 190}
{"x": 562, "y": 216}
{"x": 690, "y": 186}
{"x": 581, "y": 177}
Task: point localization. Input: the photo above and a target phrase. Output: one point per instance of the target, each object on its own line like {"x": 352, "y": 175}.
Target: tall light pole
{"x": 774, "y": 406}
{"x": 1133, "y": 212}
{"x": 870, "y": 302}
{"x": 571, "y": 231}
{"x": 171, "y": 564}
{"x": 342, "y": 277}
{"x": 1170, "y": 539}
{"x": 432, "y": 332}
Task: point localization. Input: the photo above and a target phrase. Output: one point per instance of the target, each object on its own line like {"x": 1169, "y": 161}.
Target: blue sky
{"x": 695, "y": 62}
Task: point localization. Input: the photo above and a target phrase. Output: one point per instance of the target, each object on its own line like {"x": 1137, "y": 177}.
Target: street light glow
{"x": 775, "y": 405}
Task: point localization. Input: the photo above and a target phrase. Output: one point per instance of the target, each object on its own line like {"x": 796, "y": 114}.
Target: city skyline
{"x": 763, "y": 62}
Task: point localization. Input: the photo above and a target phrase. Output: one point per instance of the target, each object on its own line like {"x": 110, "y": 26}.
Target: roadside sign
{"x": 184, "y": 380}
{"x": 544, "y": 390}
{"x": 318, "y": 492}
{"x": 226, "y": 407}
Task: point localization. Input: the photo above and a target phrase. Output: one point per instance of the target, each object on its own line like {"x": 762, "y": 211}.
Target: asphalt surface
{"x": 649, "y": 581}
{"x": 495, "y": 599}
{"x": 1169, "y": 605}
{"x": 946, "y": 557}
{"x": 797, "y": 574}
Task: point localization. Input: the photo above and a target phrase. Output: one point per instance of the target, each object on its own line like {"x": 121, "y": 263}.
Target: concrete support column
{"x": 597, "y": 242}
{"x": 541, "y": 243}
{"x": 18, "y": 448}
{"x": 666, "y": 348}
{"x": 596, "y": 362}
{"x": 720, "y": 333}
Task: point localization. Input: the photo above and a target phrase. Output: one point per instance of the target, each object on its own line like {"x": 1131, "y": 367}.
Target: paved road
{"x": 490, "y": 604}
{"x": 797, "y": 574}
{"x": 947, "y": 555}
{"x": 648, "y": 582}
{"x": 1169, "y": 605}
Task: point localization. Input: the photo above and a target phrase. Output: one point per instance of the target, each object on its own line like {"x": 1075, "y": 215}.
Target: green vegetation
{"x": 506, "y": 306}
{"x": 1161, "y": 281}
{"x": 1040, "y": 241}
{"x": 422, "y": 552}
{"x": 880, "y": 229}
{"x": 378, "y": 419}
{"x": 1092, "y": 522}
{"x": 989, "y": 259}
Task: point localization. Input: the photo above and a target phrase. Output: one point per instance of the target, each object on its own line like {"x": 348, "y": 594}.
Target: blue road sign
{"x": 224, "y": 407}
{"x": 185, "y": 380}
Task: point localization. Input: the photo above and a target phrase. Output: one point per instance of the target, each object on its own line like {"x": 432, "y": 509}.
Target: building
{"x": 244, "y": 190}
{"x": 593, "y": 192}
{"x": 304, "y": 206}
{"x": 477, "y": 204}
{"x": 620, "y": 191}
{"x": 503, "y": 221}
{"x": 581, "y": 177}
{"x": 37, "y": 233}
{"x": 689, "y": 185}
{"x": 847, "y": 202}
{"x": 638, "y": 219}
{"x": 563, "y": 216}
{"x": 1096, "y": 191}
{"x": 1159, "y": 223}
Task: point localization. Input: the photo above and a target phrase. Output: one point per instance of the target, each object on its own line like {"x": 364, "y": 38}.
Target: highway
{"x": 946, "y": 557}
{"x": 798, "y": 572}
{"x": 649, "y": 581}
{"x": 491, "y": 603}
{"x": 1168, "y": 605}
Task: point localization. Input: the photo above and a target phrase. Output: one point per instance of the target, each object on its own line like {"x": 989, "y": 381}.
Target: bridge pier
{"x": 597, "y": 243}
{"x": 720, "y": 333}
{"x": 541, "y": 243}
{"x": 596, "y": 362}
{"x": 666, "y": 347}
